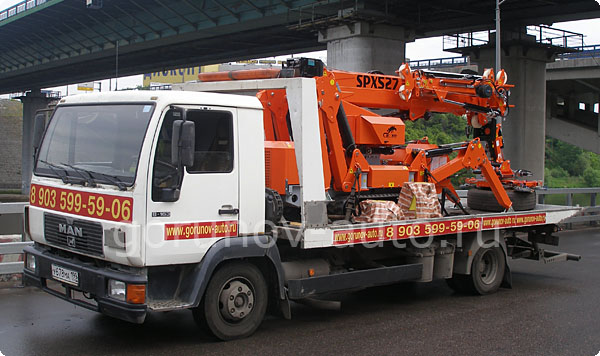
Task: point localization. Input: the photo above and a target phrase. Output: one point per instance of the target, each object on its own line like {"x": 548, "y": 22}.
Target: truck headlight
{"x": 30, "y": 262}
{"x": 117, "y": 289}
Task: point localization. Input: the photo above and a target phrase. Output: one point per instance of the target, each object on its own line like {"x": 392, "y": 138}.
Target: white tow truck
{"x": 149, "y": 201}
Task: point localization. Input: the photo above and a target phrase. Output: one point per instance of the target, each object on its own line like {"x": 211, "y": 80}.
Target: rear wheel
{"x": 484, "y": 199}
{"x": 235, "y": 301}
{"x": 487, "y": 272}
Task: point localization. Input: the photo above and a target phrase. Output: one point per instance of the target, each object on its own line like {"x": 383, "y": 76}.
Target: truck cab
{"x": 112, "y": 206}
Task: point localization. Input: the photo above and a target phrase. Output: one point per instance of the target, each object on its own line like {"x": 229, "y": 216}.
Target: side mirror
{"x": 183, "y": 143}
{"x": 169, "y": 195}
{"x": 39, "y": 126}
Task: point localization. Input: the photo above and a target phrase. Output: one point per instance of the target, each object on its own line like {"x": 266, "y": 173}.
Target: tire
{"x": 242, "y": 289}
{"x": 487, "y": 273}
{"x": 484, "y": 199}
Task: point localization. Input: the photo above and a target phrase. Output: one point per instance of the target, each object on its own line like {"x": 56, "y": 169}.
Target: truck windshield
{"x": 94, "y": 143}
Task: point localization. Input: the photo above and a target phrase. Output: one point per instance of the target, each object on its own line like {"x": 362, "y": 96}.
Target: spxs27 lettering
{"x": 376, "y": 82}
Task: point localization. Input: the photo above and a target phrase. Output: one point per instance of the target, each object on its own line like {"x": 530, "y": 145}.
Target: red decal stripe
{"x": 88, "y": 204}
{"x": 201, "y": 230}
{"x": 408, "y": 230}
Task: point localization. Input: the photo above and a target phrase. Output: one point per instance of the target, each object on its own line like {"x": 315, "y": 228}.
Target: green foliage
{"x": 565, "y": 156}
{"x": 591, "y": 177}
{"x": 440, "y": 129}
{"x": 568, "y": 166}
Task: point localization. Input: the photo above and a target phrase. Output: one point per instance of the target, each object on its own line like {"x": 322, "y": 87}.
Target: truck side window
{"x": 214, "y": 141}
{"x": 214, "y": 146}
{"x": 164, "y": 174}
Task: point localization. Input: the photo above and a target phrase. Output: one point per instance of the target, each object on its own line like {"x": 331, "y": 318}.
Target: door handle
{"x": 228, "y": 210}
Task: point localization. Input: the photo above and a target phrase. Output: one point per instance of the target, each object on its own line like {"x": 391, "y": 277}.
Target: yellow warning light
{"x": 311, "y": 272}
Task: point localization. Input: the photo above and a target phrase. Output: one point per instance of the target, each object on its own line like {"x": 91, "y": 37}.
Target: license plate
{"x": 65, "y": 275}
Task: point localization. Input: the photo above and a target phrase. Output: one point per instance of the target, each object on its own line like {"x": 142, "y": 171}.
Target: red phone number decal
{"x": 201, "y": 230}
{"x": 93, "y": 205}
{"x": 397, "y": 232}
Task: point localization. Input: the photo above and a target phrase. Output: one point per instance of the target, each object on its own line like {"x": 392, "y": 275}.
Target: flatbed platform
{"x": 336, "y": 234}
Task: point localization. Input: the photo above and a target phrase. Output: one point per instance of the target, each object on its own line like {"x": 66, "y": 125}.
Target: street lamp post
{"x": 498, "y": 47}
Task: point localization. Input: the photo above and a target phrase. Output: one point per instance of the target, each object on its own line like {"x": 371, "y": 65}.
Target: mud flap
{"x": 507, "y": 279}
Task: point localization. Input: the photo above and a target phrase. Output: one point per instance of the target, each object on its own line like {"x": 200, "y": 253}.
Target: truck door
{"x": 207, "y": 207}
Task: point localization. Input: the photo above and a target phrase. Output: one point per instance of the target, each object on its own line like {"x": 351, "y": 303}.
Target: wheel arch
{"x": 251, "y": 248}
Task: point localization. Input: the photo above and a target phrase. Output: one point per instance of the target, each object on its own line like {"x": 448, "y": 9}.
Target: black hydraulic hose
{"x": 345, "y": 131}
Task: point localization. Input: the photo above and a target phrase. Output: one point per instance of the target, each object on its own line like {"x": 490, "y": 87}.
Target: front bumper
{"x": 93, "y": 280}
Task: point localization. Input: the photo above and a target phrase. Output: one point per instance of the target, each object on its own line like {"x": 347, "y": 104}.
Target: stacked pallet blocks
{"x": 378, "y": 211}
{"x": 418, "y": 200}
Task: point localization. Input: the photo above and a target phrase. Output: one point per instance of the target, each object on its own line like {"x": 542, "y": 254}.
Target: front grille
{"x": 76, "y": 235}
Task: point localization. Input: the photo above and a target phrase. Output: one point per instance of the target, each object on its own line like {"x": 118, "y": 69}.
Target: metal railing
{"x": 590, "y": 213}
{"x": 12, "y": 248}
{"x": 591, "y": 51}
{"x": 19, "y": 8}
{"x": 439, "y": 62}
{"x": 11, "y": 223}
{"x": 51, "y": 94}
{"x": 543, "y": 35}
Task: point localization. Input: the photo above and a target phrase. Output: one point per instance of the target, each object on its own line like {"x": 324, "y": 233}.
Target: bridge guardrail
{"x": 12, "y": 248}
{"x": 19, "y": 8}
{"x": 590, "y": 213}
{"x": 439, "y": 62}
{"x": 543, "y": 35}
{"x": 11, "y": 223}
{"x": 590, "y": 51}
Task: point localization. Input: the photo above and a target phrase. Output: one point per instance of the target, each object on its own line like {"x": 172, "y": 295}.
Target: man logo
{"x": 71, "y": 241}
{"x": 70, "y": 230}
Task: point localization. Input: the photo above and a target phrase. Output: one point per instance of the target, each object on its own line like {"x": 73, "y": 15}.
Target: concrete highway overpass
{"x": 572, "y": 97}
{"x": 46, "y": 43}
{"x": 572, "y": 94}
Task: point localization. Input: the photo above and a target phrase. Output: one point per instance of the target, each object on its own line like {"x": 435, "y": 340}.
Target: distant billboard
{"x": 89, "y": 86}
{"x": 183, "y": 75}
{"x": 172, "y": 76}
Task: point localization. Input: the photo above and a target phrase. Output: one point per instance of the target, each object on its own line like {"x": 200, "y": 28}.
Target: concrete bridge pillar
{"x": 524, "y": 129}
{"x": 363, "y": 47}
{"x": 32, "y": 102}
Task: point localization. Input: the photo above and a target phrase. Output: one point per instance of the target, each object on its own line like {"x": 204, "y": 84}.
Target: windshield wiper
{"x": 112, "y": 179}
{"x": 89, "y": 179}
{"x": 55, "y": 169}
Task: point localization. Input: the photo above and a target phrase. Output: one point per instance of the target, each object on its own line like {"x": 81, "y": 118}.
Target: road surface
{"x": 551, "y": 310}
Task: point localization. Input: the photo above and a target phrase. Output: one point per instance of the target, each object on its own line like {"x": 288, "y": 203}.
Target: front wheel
{"x": 235, "y": 301}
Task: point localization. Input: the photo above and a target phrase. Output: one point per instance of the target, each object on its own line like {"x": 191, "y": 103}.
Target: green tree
{"x": 591, "y": 177}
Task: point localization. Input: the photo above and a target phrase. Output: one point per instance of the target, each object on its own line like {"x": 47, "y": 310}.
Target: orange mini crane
{"x": 362, "y": 130}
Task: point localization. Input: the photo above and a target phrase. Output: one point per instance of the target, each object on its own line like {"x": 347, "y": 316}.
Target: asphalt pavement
{"x": 552, "y": 310}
